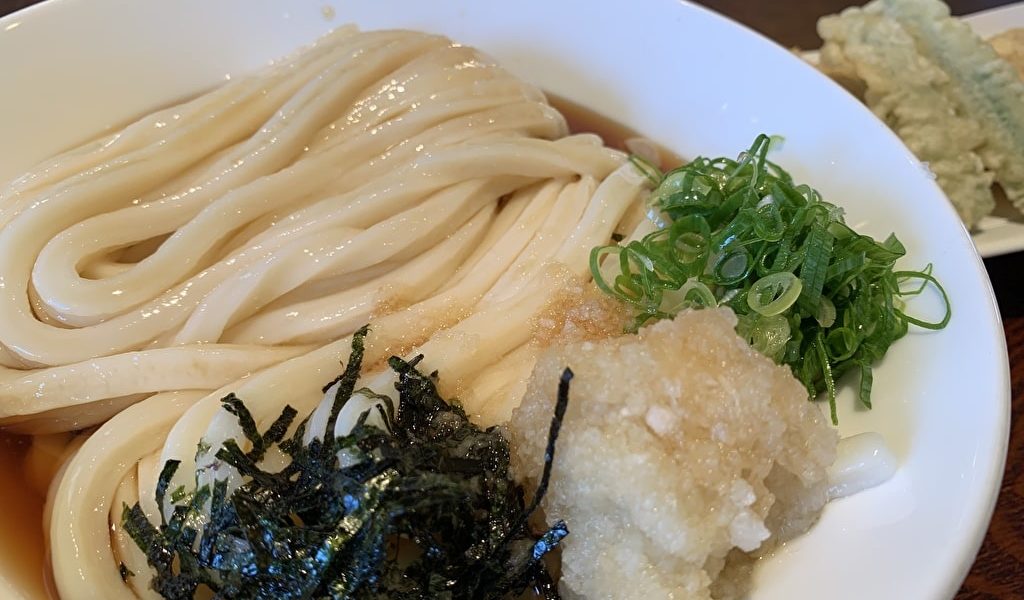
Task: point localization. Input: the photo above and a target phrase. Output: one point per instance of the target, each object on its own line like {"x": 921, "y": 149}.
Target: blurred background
{"x": 791, "y": 22}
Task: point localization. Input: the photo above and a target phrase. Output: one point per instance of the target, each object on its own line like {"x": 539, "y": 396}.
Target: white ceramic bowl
{"x": 693, "y": 81}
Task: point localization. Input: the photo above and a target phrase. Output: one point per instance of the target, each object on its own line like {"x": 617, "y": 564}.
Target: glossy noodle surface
{"x": 236, "y": 241}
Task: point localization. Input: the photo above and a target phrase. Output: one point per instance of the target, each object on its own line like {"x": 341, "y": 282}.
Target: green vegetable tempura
{"x": 809, "y": 291}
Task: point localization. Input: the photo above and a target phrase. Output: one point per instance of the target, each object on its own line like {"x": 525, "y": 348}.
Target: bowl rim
{"x": 983, "y": 504}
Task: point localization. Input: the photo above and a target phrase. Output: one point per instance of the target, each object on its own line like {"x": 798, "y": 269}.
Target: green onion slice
{"x": 808, "y": 290}
{"x": 774, "y": 294}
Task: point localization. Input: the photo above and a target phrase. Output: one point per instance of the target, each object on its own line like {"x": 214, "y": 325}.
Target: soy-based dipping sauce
{"x": 21, "y": 519}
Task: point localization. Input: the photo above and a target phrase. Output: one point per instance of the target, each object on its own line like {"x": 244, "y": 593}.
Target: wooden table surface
{"x": 998, "y": 572}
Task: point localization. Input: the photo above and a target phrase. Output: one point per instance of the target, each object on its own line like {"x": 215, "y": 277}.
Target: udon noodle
{"x": 235, "y": 242}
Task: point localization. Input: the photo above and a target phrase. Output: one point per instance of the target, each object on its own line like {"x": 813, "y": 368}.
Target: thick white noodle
{"x": 126, "y": 551}
{"x": 234, "y": 243}
{"x": 80, "y": 545}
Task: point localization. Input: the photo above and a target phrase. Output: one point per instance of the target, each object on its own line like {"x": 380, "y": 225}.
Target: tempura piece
{"x": 984, "y": 85}
{"x": 842, "y": 71}
{"x": 682, "y": 450}
{"x": 1010, "y": 46}
{"x": 910, "y": 93}
{"x": 944, "y": 90}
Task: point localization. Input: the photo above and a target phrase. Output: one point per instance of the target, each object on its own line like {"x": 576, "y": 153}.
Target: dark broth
{"x": 22, "y": 550}
{"x": 584, "y": 120}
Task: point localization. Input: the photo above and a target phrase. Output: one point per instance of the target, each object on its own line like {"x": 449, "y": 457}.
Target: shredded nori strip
{"x": 423, "y": 507}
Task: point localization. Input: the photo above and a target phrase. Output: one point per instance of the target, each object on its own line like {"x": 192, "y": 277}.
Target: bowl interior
{"x": 694, "y": 82}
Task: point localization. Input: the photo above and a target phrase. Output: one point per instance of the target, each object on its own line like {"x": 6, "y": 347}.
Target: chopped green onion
{"x": 649, "y": 170}
{"x": 808, "y": 290}
{"x": 768, "y": 335}
{"x": 826, "y": 312}
{"x": 817, "y": 254}
{"x": 830, "y": 384}
{"x": 693, "y": 294}
{"x": 774, "y": 294}
{"x": 926, "y": 277}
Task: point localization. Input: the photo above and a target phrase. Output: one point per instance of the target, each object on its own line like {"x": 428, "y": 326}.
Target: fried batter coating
{"x": 953, "y": 98}
{"x": 1010, "y": 46}
{"x": 914, "y": 97}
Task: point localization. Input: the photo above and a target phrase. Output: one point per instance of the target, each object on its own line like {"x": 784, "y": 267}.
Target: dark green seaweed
{"x": 423, "y": 507}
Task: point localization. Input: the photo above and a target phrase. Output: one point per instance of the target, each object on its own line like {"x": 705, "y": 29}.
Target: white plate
{"x": 1002, "y": 232}
{"x": 696, "y": 83}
